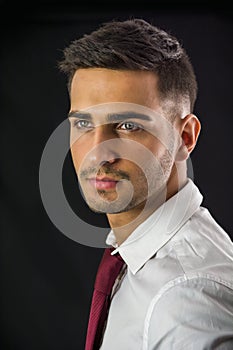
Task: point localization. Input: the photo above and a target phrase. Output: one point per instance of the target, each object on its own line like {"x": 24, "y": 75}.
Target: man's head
{"x": 116, "y": 71}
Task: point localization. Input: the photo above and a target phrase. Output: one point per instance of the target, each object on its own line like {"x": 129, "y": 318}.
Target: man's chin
{"x": 114, "y": 207}
{"x": 102, "y": 205}
{"x": 105, "y": 210}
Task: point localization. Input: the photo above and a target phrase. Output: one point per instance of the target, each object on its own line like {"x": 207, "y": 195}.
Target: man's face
{"x": 122, "y": 146}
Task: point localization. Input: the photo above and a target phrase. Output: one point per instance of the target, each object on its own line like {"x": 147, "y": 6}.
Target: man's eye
{"x": 129, "y": 126}
{"x": 82, "y": 124}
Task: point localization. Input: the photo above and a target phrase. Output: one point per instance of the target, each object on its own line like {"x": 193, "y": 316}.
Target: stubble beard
{"x": 151, "y": 188}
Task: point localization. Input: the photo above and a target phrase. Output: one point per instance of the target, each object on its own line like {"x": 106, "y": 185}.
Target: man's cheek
{"x": 76, "y": 159}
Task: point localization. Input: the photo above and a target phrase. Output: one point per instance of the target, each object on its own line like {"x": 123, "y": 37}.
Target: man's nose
{"x": 104, "y": 148}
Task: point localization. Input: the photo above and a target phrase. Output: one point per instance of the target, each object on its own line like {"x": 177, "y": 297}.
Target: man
{"x": 132, "y": 92}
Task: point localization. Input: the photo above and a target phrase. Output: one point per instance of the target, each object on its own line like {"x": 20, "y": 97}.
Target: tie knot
{"x": 109, "y": 268}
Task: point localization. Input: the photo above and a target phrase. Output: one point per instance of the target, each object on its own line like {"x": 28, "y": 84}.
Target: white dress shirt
{"x": 176, "y": 291}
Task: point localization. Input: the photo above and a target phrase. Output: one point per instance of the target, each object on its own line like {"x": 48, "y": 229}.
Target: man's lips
{"x": 103, "y": 183}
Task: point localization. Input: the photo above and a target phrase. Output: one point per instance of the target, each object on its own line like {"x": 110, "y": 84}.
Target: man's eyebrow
{"x": 111, "y": 117}
{"x": 80, "y": 115}
{"x": 127, "y": 115}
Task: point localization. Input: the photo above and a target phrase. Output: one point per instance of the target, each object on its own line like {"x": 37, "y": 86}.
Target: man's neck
{"x": 123, "y": 224}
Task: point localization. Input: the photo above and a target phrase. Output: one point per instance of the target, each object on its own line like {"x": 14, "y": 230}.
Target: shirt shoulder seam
{"x": 173, "y": 283}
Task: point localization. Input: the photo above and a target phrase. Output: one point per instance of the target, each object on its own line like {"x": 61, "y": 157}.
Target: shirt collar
{"x": 158, "y": 228}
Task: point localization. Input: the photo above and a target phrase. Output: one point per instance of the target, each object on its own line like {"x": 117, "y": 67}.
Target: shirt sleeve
{"x": 195, "y": 314}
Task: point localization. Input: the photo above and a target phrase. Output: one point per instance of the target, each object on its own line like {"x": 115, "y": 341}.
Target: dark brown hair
{"x": 135, "y": 44}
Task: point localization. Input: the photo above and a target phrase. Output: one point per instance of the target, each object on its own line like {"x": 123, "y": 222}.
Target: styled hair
{"x": 135, "y": 45}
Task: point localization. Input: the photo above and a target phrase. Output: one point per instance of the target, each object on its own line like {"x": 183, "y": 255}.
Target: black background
{"x": 46, "y": 278}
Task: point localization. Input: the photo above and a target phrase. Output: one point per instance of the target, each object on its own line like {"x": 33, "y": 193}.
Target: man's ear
{"x": 189, "y": 131}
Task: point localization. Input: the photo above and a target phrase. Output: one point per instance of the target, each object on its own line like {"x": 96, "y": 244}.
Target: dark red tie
{"x": 109, "y": 268}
